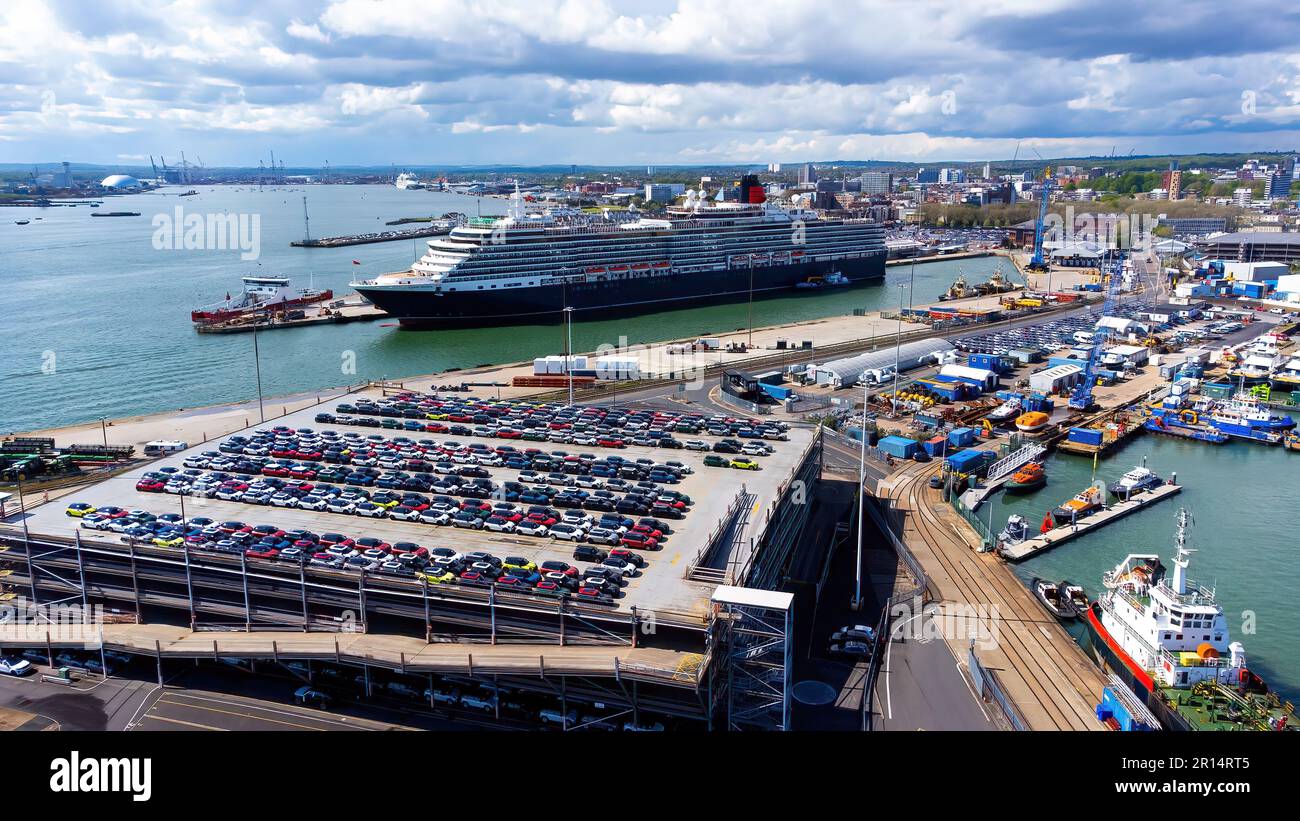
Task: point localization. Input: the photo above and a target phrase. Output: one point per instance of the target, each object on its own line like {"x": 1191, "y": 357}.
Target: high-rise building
{"x": 1172, "y": 181}
{"x": 877, "y": 182}
{"x": 950, "y": 176}
{"x": 988, "y": 171}
{"x": 807, "y": 174}
{"x": 774, "y": 167}
{"x": 925, "y": 176}
{"x": 1241, "y": 197}
{"x": 1277, "y": 186}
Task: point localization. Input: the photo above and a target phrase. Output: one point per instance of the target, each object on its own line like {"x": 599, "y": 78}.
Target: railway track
{"x": 1047, "y": 675}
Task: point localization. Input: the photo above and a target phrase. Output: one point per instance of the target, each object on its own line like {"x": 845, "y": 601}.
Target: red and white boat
{"x": 261, "y": 295}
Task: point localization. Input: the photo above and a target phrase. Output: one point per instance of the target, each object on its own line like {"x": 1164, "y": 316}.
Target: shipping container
{"x": 970, "y": 461}
{"x": 1085, "y": 436}
{"x": 898, "y": 446}
{"x": 937, "y": 446}
{"x": 962, "y": 437}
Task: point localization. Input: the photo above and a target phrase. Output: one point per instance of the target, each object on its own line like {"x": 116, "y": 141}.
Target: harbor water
{"x": 96, "y": 317}
{"x": 1242, "y": 501}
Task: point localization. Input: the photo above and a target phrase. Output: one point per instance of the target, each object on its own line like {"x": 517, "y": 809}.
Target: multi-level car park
{"x": 458, "y": 536}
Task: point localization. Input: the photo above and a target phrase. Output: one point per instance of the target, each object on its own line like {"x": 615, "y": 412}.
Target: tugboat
{"x": 1030, "y": 477}
{"x": 1084, "y": 502}
{"x": 1167, "y": 638}
{"x": 1049, "y": 595}
{"x": 261, "y": 295}
{"x": 829, "y": 280}
{"x": 1245, "y": 416}
{"x": 1032, "y": 422}
{"x": 1135, "y": 481}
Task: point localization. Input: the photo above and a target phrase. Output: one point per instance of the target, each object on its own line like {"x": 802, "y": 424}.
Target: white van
{"x": 161, "y": 447}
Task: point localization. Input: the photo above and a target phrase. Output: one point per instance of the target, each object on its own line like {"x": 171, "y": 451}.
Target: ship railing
{"x": 1198, "y": 594}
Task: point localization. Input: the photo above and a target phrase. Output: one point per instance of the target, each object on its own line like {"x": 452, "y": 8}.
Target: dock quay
{"x": 335, "y": 314}
{"x": 367, "y": 239}
{"x": 1031, "y": 547}
{"x": 1101, "y": 434}
{"x": 1046, "y": 682}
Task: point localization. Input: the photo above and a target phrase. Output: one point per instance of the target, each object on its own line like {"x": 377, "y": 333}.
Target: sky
{"x": 466, "y": 82}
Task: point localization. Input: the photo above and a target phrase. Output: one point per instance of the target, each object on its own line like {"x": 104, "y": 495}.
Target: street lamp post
{"x": 568, "y": 349}
{"x": 862, "y": 481}
{"x": 103, "y": 429}
{"x": 751, "y": 300}
{"x": 898, "y": 349}
{"x": 257, "y": 368}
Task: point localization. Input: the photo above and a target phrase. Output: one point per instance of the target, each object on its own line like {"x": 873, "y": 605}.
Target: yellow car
{"x": 169, "y": 541}
{"x": 436, "y": 577}
{"x": 438, "y": 417}
{"x": 518, "y": 563}
{"x": 80, "y": 509}
{"x": 744, "y": 464}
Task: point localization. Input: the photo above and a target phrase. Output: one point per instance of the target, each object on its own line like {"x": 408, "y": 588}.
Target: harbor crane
{"x": 1081, "y": 396}
{"x": 1037, "y": 263}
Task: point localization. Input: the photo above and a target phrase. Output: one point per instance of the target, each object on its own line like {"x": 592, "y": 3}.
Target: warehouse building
{"x": 1056, "y": 379}
{"x": 843, "y": 373}
{"x": 1254, "y": 246}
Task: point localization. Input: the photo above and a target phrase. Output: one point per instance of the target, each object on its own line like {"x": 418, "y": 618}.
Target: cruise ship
{"x": 528, "y": 267}
{"x": 407, "y": 181}
{"x": 1168, "y": 639}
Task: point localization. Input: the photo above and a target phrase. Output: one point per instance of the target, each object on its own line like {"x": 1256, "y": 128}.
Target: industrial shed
{"x": 1056, "y": 379}
{"x": 842, "y": 373}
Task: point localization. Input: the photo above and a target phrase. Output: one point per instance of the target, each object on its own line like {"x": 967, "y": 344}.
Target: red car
{"x": 648, "y": 532}
{"x": 368, "y": 543}
{"x": 541, "y": 519}
{"x": 275, "y": 470}
{"x": 266, "y": 553}
{"x": 638, "y": 542}
{"x": 610, "y": 443}
{"x": 149, "y": 485}
{"x": 588, "y": 592}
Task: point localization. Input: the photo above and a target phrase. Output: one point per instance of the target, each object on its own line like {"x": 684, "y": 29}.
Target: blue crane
{"x": 1045, "y": 194}
{"x": 1081, "y": 397}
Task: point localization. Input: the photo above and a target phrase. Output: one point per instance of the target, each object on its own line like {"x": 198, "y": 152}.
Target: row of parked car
{"x": 306, "y": 449}
{"x": 545, "y": 422}
{"x": 601, "y": 581}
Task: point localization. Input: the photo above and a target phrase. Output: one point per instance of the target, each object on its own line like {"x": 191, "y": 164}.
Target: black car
{"x": 587, "y": 553}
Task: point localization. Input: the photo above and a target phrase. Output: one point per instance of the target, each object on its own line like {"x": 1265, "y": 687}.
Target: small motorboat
{"x": 1075, "y": 595}
{"x": 1005, "y": 412}
{"x": 1084, "y": 502}
{"x": 1050, "y": 595}
{"x": 1030, "y": 477}
{"x": 22, "y": 222}
{"x": 1032, "y": 422}
{"x": 1135, "y": 481}
{"x": 1017, "y": 530}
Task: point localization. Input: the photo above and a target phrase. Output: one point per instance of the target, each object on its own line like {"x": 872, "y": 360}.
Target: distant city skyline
{"x": 659, "y": 82}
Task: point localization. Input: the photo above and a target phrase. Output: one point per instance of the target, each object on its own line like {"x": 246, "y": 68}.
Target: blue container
{"x": 898, "y": 447}
{"x": 1037, "y": 403}
{"x": 1085, "y": 436}
{"x": 951, "y": 391}
{"x": 938, "y": 446}
{"x": 962, "y": 437}
{"x": 969, "y": 461}
{"x": 776, "y": 391}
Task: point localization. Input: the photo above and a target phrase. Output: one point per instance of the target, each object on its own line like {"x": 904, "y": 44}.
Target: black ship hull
{"x": 634, "y": 295}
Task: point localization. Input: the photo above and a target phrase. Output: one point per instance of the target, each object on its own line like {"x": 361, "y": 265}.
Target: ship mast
{"x": 1179, "y": 582}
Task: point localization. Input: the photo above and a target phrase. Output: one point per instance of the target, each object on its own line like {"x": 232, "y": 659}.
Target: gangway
{"x": 1009, "y": 464}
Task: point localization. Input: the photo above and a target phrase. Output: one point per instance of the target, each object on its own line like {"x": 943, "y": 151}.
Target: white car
{"x": 434, "y": 517}
{"x": 531, "y": 477}
{"x": 313, "y": 503}
{"x": 696, "y": 444}
{"x": 529, "y": 528}
{"x": 499, "y": 525}
{"x": 15, "y": 667}
{"x": 584, "y": 439}
{"x": 590, "y": 482}
{"x": 408, "y": 514}
{"x": 754, "y": 449}
{"x": 568, "y": 532}
{"x": 341, "y": 506}
{"x": 95, "y": 521}
{"x": 284, "y": 500}
{"x": 370, "y": 510}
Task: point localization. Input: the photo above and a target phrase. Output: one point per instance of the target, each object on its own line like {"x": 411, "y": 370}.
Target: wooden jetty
{"x": 1031, "y": 547}
{"x": 348, "y": 312}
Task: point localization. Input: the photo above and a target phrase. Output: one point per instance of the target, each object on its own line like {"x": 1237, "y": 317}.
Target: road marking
{"x": 240, "y": 715}
{"x": 187, "y": 723}
{"x": 304, "y": 713}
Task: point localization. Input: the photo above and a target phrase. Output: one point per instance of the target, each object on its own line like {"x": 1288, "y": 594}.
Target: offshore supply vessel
{"x": 529, "y": 267}
{"x": 1167, "y": 638}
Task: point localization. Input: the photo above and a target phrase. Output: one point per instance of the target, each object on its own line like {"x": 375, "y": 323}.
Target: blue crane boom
{"x": 1081, "y": 397}
{"x": 1045, "y": 194}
